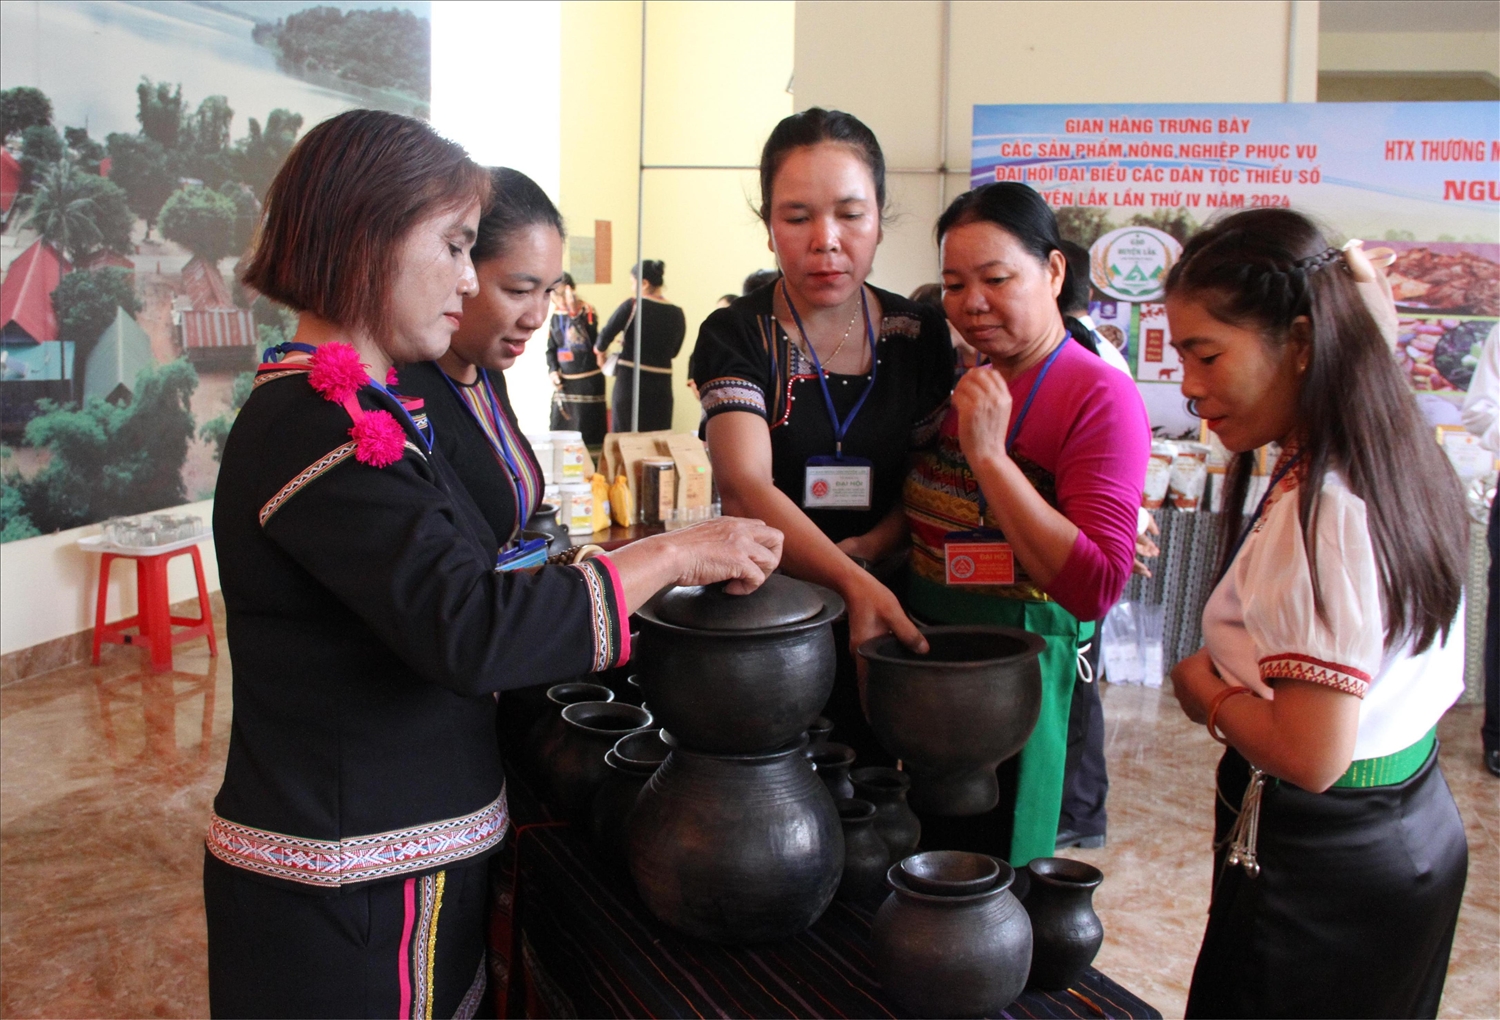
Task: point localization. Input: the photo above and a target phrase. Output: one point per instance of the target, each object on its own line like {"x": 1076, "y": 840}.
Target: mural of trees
{"x": 380, "y": 49}
{"x": 23, "y": 107}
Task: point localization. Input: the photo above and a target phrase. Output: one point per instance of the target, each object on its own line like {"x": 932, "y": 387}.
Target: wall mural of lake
{"x": 138, "y": 141}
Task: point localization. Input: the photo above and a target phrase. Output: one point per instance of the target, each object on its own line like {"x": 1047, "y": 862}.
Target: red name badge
{"x": 979, "y": 562}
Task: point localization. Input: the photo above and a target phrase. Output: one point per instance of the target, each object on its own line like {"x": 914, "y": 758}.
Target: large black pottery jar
{"x": 541, "y": 742}
{"x": 736, "y": 848}
{"x": 896, "y": 822}
{"x": 632, "y": 761}
{"x": 737, "y": 674}
{"x": 952, "y": 955}
{"x": 957, "y": 712}
{"x": 1066, "y": 930}
{"x": 577, "y": 767}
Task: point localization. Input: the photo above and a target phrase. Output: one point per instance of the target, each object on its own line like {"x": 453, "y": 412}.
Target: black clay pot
{"x": 544, "y": 521}
{"x": 632, "y": 761}
{"x": 590, "y": 728}
{"x": 952, "y": 956}
{"x": 736, "y": 674}
{"x": 540, "y": 744}
{"x": 956, "y": 713}
{"x": 832, "y": 763}
{"x": 1065, "y": 929}
{"x": 818, "y": 732}
{"x": 736, "y": 848}
{"x": 865, "y": 855}
{"x": 896, "y": 822}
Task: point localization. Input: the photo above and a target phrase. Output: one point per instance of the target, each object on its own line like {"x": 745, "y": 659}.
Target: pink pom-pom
{"x": 378, "y": 439}
{"x": 390, "y": 376}
{"x": 337, "y": 372}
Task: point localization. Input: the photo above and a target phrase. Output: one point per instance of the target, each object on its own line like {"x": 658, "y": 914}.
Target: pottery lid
{"x": 780, "y": 601}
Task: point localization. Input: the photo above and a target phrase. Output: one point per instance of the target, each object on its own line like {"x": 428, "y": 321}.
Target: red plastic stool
{"x": 153, "y": 617}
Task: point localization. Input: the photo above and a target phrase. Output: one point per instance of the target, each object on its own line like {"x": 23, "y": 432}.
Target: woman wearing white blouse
{"x": 1340, "y": 858}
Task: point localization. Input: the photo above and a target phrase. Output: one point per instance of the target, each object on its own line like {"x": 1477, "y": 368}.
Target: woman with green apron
{"x": 1023, "y": 511}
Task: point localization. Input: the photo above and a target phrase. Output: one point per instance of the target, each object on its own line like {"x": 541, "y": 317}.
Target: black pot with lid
{"x": 737, "y": 674}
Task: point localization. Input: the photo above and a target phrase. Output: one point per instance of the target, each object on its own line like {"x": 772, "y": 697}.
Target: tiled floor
{"x": 106, "y": 775}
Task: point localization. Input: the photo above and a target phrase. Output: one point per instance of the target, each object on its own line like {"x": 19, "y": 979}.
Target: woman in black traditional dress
{"x": 817, "y": 386}
{"x": 573, "y": 364}
{"x": 662, "y": 328}
{"x": 370, "y": 629}
{"x": 517, "y": 262}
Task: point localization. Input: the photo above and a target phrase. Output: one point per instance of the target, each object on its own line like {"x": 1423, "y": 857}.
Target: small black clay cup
{"x": 1066, "y": 930}
{"x": 578, "y": 768}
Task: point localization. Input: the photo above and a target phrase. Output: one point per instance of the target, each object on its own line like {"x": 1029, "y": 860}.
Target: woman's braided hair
{"x": 1264, "y": 269}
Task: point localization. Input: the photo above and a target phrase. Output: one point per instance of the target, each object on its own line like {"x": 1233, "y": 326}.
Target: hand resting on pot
{"x": 734, "y": 549}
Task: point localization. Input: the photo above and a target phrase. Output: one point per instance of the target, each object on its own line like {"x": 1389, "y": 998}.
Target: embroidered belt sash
{"x": 581, "y": 375}
{"x": 342, "y": 862}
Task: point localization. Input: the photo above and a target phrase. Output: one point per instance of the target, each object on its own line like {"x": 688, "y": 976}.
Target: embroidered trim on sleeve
{"x": 342, "y": 862}
{"x": 731, "y": 394}
{"x": 618, "y": 587}
{"x": 925, "y": 430}
{"x": 1291, "y": 666}
{"x": 316, "y": 469}
{"x": 606, "y": 651}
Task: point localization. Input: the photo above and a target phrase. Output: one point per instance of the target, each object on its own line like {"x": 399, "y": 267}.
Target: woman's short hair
{"x": 516, "y": 202}
{"x": 1262, "y": 269}
{"x": 336, "y": 212}
{"x": 811, "y": 127}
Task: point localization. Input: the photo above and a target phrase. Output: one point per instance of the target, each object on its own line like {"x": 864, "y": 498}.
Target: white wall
{"x": 48, "y": 585}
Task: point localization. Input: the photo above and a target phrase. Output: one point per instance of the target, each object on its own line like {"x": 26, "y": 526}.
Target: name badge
{"x": 564, "y": 354}
{"x": 834, "y": 483}
{"x": 530, "y": 552}
{"x": 980, "y": 556}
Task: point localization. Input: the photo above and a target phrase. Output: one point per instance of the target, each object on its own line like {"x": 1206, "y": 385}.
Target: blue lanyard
{"x": 1015, "y": 430}
{"x": 425, "y": 434}
{"x": 840, "y": 428}
{"x": 1260, "y": 507}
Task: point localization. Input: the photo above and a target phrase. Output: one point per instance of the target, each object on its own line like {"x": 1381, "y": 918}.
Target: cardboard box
{"x": 623, "y": 453}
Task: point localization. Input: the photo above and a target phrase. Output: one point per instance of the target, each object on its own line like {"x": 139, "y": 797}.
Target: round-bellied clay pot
{"x": 952, "y": 956}
{"x": 540, "y": 744}
{"x": 832, "y": 762}
{"x": 1066, "y": 931}
{"x": 865, "y": 855}
{"x": 737, "y": 674}
{"x": 632, "y": 761}
{"x": 896, "y": 822}
{"x": 735, "y": 848}
{"x": 590, "y": 728}
{"x": 955, "y": 713}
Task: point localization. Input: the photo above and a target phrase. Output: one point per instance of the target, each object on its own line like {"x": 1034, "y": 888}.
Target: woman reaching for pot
{"x": 1333, "y": 642}
{"x": 344, "y": 873}
{"x": 817, "y": 386}
{"x": 1037, "y": 471}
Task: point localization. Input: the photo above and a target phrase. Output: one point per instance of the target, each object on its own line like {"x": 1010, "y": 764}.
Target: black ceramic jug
{"x": 896, "y": 822}
{"x": 832, "y": 762}
{"x": 1067, "y": 933}
{"x": 577, "y": 767}
{"x": 632, "y": 761}
{"x": 865, "y": 855}
{"x": 736, "y": 848}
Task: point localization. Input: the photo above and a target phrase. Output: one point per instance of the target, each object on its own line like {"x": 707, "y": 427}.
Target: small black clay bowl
{"x": 949, "y": 872}
{"x": 643, "y": 748}
{"x": 574, "y": 692}
{"x": 1065, "y": 872}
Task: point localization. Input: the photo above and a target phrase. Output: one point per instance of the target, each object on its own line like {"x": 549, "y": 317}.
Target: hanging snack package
{"x": 1158, "y": 473}
{"x": 1188, "y": 475}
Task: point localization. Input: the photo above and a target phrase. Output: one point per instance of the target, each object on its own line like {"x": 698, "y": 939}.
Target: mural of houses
{"x": 103, "y": 258}
{"x": 33, "y": 363}
{"x": 213, "y": 331}
{"x": 122, "y": 351}
{"x": 10, "y": 183}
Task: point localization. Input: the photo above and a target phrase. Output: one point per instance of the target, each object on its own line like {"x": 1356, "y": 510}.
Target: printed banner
{"x": 1133, "y": 182}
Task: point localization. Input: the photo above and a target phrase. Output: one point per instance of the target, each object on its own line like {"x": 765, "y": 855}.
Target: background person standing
{"x": 662, "y": 328}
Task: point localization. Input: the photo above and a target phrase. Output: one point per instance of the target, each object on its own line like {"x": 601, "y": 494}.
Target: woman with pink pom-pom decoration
{"x": 346, "y": 864}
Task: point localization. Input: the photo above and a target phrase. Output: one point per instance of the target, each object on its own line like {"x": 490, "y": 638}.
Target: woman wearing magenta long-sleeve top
{"x": 1044, "y": 454}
